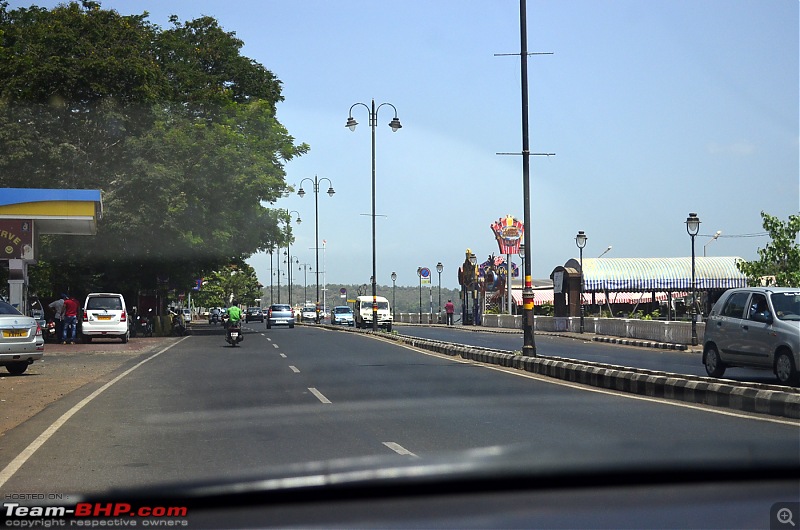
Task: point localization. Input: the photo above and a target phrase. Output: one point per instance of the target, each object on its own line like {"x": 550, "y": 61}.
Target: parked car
{"x": 21, "y": 340}
{"x": 309, "y": 313}
{"x": 757, "y": 327}
{"x": 254, "y": 313}
{"x": 280, "y": 315}
{"x": 342, "y": 314}
{"x": 187, "y": 315}
{"x": 104, "y": 315}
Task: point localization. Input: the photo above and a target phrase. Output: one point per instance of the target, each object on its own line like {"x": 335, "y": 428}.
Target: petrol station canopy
{"x": 72, "y": 212}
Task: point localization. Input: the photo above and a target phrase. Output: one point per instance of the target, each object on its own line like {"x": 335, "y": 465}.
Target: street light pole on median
{"x": 395, "y": 125}
{"x": 301, "y": 193}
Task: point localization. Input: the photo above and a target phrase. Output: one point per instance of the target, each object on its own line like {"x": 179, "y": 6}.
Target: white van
{"x": 104, "y": 315}
{"x": 363, "y": 312}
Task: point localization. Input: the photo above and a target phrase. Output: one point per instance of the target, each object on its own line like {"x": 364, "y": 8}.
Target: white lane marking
{"x": 313, "y": 391}
{"x": 399, "y": 449}
{"x": 275, "y": 346}
{"x": 607, "y": 391}
{"x": 283, "y": 355}
{"x": 269, "y": 339}
{"x": 294, "y": 369}
{"x": 23, "y": 457}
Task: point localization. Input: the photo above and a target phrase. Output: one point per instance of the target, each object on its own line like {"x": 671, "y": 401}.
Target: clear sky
{"x": 653, "y": 109}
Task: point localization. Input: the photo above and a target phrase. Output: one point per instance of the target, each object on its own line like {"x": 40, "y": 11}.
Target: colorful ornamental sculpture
{"x": 508, "y": 231}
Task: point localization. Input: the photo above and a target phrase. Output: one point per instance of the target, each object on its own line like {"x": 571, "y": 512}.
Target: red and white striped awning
{"x": 545, "y": 296}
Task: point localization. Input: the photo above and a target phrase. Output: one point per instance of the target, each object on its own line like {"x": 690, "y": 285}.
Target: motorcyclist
{"x": 234, "y": 314}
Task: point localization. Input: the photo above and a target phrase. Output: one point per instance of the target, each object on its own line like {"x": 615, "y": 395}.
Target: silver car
{"x": 21, "y": 340}
{"x": 757, "y": 327}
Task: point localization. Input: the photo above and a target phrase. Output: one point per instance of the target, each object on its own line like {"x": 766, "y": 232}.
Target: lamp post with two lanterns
{"x": 373, "y": 122}
{"x": 301, "y": 192}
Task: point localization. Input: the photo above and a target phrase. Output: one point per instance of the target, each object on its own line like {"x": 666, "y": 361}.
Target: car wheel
{"x": 714, "y": 365}
{"x": 785, "y": 370}
{"x": 17, "y": 368}
{"x": 124, "y": 339}
{"x": 268, "y": 326}
{"x": 291, "y": 326}
{"x": 87, "y": 339}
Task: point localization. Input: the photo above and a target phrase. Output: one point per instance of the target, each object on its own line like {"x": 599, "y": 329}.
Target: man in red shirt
{"x": 70, "y": 319}
{"x": 449, "y": 309}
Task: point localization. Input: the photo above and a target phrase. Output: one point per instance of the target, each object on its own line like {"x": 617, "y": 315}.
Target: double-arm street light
{"x": 288, "y": 252}
{"x": 580, "y": 240}
{"x": 395, "y": 125}
{"x": 692, "y": 227}
{"x": 301, "y": 193}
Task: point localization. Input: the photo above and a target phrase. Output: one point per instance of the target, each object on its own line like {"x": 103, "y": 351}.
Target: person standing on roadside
{"x": 449, "y": 308}
{"x": 58, "y": 318}
{"x": 70, "y": 319}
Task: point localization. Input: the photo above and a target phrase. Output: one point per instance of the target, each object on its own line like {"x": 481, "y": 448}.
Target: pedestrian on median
{"x": 58, "y": 308}
{"x": 449, "y": 309}
{"x": 70, "y": 319}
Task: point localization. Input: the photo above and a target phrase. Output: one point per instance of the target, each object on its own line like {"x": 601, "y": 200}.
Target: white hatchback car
{"x": 104, "y": 315}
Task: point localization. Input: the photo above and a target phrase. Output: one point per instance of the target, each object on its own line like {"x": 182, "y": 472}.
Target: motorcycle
{"x": 214, "y": 318}
{"x": 178, "y": 324}
{"x": 49, "y": 332}
{"x": 234, "y": 334}
{"x": 144, "y": 324}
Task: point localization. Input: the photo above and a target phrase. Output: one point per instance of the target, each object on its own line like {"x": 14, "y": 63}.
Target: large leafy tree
{"x": 175, "y": 126}
{"x": 780, "y": 258}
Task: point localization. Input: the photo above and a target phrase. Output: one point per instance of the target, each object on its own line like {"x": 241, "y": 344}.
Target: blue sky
{"x": 654, "y": 109}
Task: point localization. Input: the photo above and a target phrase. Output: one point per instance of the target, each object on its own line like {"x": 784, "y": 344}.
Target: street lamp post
{"x": 580, "y": 240}
{"x": 419, "y": 273}
{"x": 439, "y": 269}
{"x": 304, "y": 267}
{"x": 394, "y": 279}
{"x": 692, "y": 227}
{"x": 473, "y": 260}
{"x": 395, "y": 125}
{"x": 288, "y": 252}
{"x": 301, "y": 193}
{"x": 714, "y": 238}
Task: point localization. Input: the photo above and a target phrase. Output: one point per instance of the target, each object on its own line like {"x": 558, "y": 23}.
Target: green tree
{"x": 780, "y": 258}
{"x": 175, "y": 126}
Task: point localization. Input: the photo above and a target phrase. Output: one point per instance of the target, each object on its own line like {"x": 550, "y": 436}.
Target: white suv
{"x": 104, "y": 315}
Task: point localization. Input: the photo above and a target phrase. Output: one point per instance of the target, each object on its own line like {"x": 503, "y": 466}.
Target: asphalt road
{"x": 203, "y": 410}
{"x": 673, "y": 361}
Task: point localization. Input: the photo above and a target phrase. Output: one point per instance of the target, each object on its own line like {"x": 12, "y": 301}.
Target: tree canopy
{"x": 175, "y": 126}
{"x": 780, "y": 258}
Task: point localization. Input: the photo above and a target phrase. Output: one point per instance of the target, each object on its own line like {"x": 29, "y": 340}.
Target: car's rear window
{"x": 8, "y": 309}
{"x": 104, "y": 302}
{"x": 280, "y": 308}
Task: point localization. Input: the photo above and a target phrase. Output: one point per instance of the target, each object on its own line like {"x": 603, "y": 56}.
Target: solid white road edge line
{"x": 23, "y": 457}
